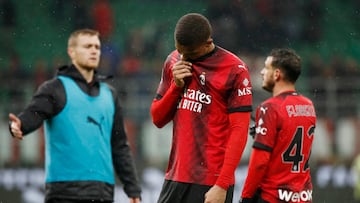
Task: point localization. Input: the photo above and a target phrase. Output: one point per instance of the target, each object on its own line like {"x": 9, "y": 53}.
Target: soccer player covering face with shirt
{"x": 206, "y": 92}
{"x": 285, "y": 123}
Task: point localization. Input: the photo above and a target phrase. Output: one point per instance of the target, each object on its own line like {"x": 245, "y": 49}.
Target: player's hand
{"x": 15, "y": 127}
{"x": 216, "y": 194}
{"x": 180, "y": 71}
{"x": 134, "y": 200}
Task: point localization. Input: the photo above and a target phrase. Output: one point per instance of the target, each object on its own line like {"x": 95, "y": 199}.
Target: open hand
{"x": 15, "y": 127}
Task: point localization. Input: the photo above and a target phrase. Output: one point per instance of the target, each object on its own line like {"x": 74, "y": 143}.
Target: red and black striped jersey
{"x": 285, "y": 127}
{"x": 219, "y": 85}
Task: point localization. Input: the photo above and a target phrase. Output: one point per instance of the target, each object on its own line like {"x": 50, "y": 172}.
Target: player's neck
{"x": 208, "y": 49}
{"x": 283, "y": 87}
{"x": 88, "y": 74}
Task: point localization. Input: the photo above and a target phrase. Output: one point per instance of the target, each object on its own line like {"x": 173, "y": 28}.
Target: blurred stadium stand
{"x": 325, "y": 33}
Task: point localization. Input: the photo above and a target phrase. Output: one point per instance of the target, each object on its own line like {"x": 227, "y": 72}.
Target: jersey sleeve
{"x": 266, "y": 127}
{"x": 240, "y": 99}
{"x": 163, "y": 106}
{"x": 235, "y": 148}
{"x": 166, "y": 74}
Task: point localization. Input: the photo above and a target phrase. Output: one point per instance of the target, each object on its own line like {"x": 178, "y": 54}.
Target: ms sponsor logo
{"x": 245, "y": 90}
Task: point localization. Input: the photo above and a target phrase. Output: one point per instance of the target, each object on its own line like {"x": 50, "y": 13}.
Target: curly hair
{"x": 288, "y": 61}
{"x": 192, "y": 29}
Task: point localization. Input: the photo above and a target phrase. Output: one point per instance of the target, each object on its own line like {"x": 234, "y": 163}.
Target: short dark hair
{"x": 192, "y": 29}
{"x": 288, "y": 61}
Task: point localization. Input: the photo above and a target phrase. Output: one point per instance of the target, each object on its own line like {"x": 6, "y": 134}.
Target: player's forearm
{"x": 239, "y": 123}
{"x": 125, "y": 169}
{"x": 30, "y": 122}
{"x": 257, "y": 168}
{"x": 162, "y": 110}
{"x": 47, "y": 102}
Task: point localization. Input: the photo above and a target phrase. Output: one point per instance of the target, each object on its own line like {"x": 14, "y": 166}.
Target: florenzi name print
{"x": 300, "y": 110}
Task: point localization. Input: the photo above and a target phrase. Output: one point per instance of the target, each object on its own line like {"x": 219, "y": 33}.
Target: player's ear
{"x": 277, "y": 74}
{"x": 70, "y": 52}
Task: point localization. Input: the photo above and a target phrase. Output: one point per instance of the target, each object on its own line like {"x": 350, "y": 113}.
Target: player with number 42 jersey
{"x": 284, "y": 132}
{"x": 288, "y": 173}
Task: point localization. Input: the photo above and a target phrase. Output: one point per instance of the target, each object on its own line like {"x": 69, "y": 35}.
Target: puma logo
{"x": 93, "y": 121}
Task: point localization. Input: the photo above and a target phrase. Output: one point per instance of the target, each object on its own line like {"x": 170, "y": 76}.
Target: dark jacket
{"x": 47, "y": 102}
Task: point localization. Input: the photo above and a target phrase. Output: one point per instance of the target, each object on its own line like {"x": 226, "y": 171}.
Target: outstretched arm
{"x": 48, "y": 100}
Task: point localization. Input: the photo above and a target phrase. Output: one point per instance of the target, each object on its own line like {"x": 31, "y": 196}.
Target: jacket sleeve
{"x": 122, "y": 157}
{"x": 48, "y": 100}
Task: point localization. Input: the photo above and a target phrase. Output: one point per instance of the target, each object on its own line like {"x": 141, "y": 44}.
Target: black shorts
{"x": 59, "y": 200}
{"x": 176, "y": 192}
{"x": 256, "y": 198}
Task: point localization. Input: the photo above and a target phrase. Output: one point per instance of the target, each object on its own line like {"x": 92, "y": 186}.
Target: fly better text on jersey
{"x": 193, "y": 100}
